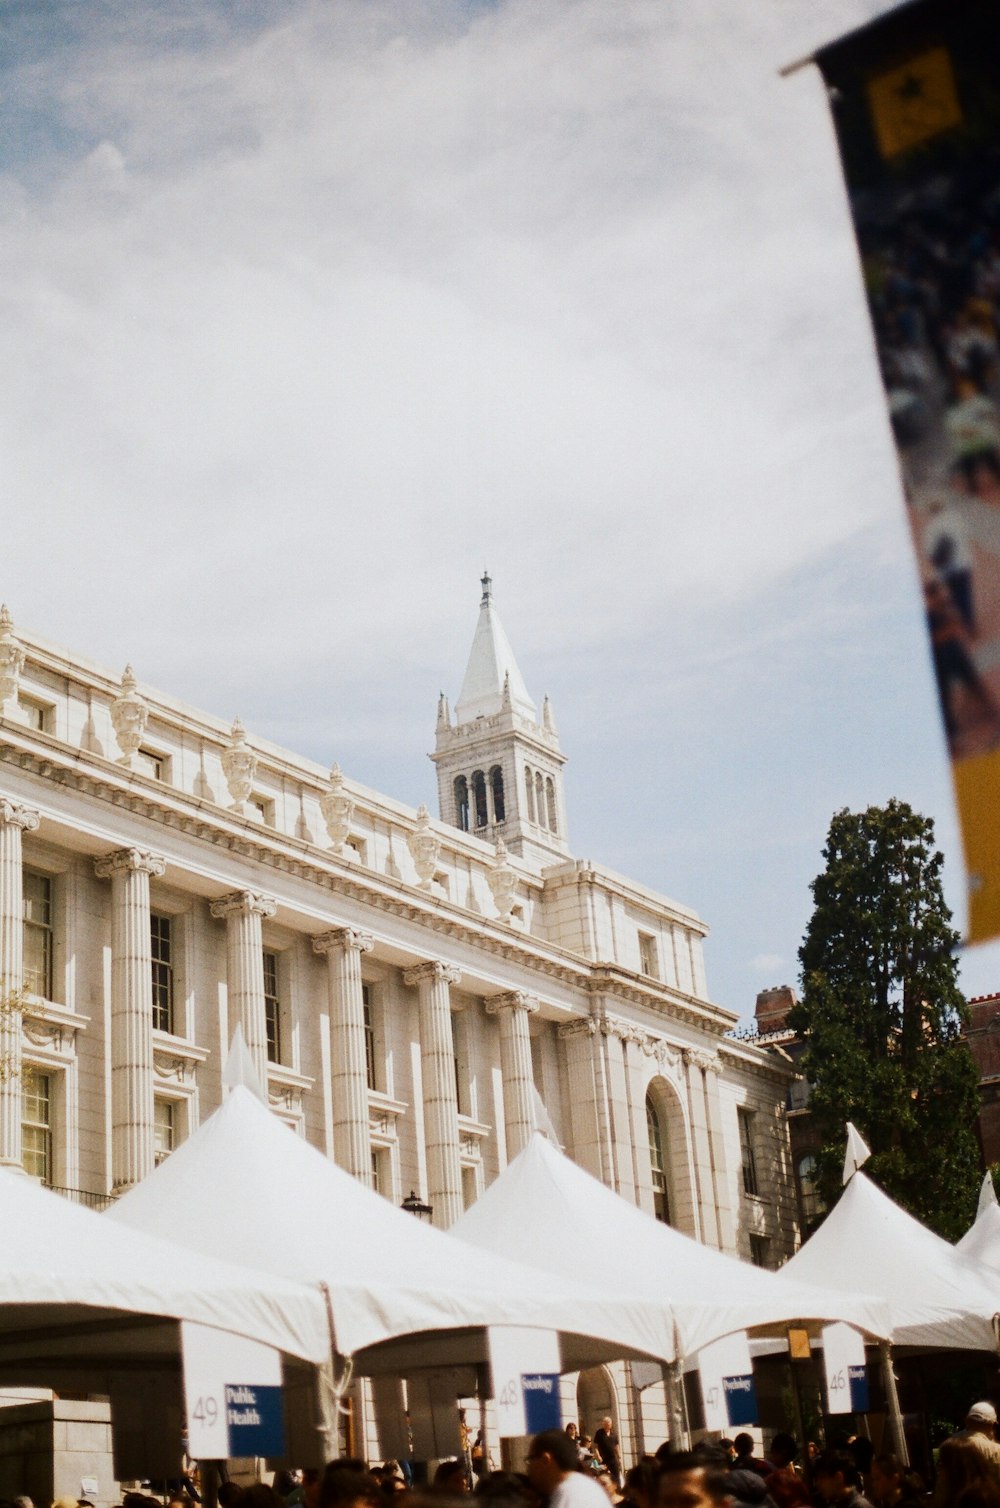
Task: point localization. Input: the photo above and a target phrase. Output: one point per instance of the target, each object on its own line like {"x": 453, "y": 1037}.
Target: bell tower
{"x": 499, "y": 765}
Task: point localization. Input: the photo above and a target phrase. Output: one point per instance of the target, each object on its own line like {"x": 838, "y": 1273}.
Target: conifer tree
{"x": 882, "y": 1014}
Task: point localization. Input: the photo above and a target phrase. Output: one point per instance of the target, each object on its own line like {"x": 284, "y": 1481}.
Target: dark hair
{"x": 713, "y": 1480}
{"x": 743, "y": 1443}
{"x": 344, "y": 1483}
{"x": 832, "y": 1461}
{"x": 786, "y": 1445}
{"x": 448, "y": 1469}
{"x": 557, "y": 1444}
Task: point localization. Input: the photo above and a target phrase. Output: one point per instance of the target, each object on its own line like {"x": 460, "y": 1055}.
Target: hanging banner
{"x": 845, "y": 1370}
{"x": 232, "y": 1395}
{"x": 728, "y": 1393}
{"x": 525, "y": 1363}
{"x": 916, "y": 107}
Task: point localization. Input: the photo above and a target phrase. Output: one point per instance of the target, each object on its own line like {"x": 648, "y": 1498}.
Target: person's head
{"x": 229, "y": 1494}
{"x": 744, "y": 1444}
{"x": 551, "y": 1456}
{"x": 451, "y": 1477}
{"x": 572, "y": 1430}
{"x": 640, "y": 1483}
{"x": 783, "y": 1449}
{"x": 345, "y": 1485}
{"x": 887, "y": 1478}
{"x": 982, "y": 1419}
{"x": 835, "y": 1475}
{"x": 311, "y": 1479}
{"x": 690, "y": 1480}
{"x": 606, "y": 1422}
{"x": 506, "y": 1489}
{"x": 729, "y": 1446}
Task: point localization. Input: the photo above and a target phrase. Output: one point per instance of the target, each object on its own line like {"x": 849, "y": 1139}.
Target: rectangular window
{"x": 164, "y": 1129}
{"x": 758, "y": 1250}
{"x": 470, "y": 1187}
{"x": 37, "y": 912}
{"x": 749, "y": 1161}
{"x": 263, "y": 806}
{"x": 371, "y": 1076}
{"x": 36, "y": 1126}
{"x": 649, "y": 962}
{"x": 163, "y": 973}
{"x": 36, "y": 715}
{"x": 272, "y": 1008}
{"x": 148, "y": 762}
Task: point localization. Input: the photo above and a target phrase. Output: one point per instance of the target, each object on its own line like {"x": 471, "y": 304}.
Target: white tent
{"x": 936, "y": 1295}
{"x": 981, "y": 1241}
{"x": 265, "y": 1194}
{"x": 567, "y": 1222}
{"x": 78, "y": 1294}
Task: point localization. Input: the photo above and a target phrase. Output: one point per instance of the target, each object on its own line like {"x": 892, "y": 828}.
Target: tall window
{"x": 529, "y": 795}
{"x": 36, "y": 1126}
{"x": 657, "y": 1163}
{"x": 747, "y": 1157}
{"x": 540, "y": 798}
{"x": 759, "y": 1250}
{"x": 496, "y": 783}
{"x": 649, "y": 962}
{"x": 550, "y": 803}
{"x": 810, "y": 1200}
{"x": 37, "y": 934}
{"x": 370, "y": 1075}
{"x": 462, "y": 803}
{"x": 163, "y": 973}
{"x": 272, "y": 1008}
{"x": 164, "y": 1129}
{"x": 480, "y": 811}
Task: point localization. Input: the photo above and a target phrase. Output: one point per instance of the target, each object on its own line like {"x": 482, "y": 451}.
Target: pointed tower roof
{"x": 491, "y": 664}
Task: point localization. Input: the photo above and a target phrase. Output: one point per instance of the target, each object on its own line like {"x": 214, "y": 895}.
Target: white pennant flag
{"x": 240, "y": 1069}
{"x": 858, "y": 1152}
{"x": 540, "y": 1118}
{"x": 987, "y": 1195}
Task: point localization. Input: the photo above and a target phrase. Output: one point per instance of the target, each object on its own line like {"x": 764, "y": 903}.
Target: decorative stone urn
{"x": 337, "y": 808}
{"x": 502, "y": 880}
{"x": 128, "y": 717}
{"x": 239, "y": 764}
{"x": 424, "y": 846}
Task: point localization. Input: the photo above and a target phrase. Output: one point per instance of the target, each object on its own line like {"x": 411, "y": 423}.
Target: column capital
{"x": 128, "y": 860}
{"x": 583, "y": 1026}
{"x": 511, "y": 1000}
{"x": 12, "y": 814}
{"x": 243, "y": 903}
{"x": 433, "y": 971}
{"x": 344, "y": 939}
{"x": 694, "y": 1057}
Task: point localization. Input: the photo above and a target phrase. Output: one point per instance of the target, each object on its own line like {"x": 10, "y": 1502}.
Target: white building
{"x": 401, "y": 982}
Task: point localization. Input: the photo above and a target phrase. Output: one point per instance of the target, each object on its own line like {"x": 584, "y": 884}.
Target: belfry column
{"x": 352, "y": 1145}
{"x": 513, "y": 1010}
{"x": 131, "y": 1013}
{"x": 14, "y": 820}
{"x": 437, "y": 1052}
{"x": 244, "y": 911}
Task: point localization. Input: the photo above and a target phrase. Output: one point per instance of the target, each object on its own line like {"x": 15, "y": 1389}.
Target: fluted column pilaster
{"x": 352, "y": 1146}
{"x": 14, "y": 820}
{"x": 437, "y": 1056}
{"x": 132, "y": 1149}
{"x": 512, "y": 1011}
{"x": 244, "y": 911}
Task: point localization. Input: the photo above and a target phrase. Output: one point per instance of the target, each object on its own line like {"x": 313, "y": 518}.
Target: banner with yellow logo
{"x": 916, "y": 102}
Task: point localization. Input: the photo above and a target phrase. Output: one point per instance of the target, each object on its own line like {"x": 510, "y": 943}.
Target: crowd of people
{"x": 566, "y": 1468}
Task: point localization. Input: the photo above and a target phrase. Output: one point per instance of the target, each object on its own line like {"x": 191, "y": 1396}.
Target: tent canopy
{"x": 936, "y": 1295}
{"x": 981, "y": 1241}
{"x": 78, "y": 1292}
{"x": 568, "y": 1222}
{"x": 283, "y": 1207}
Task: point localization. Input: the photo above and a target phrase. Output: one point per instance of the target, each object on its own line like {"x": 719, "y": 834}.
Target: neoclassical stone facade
{"x": 404, "y": 985}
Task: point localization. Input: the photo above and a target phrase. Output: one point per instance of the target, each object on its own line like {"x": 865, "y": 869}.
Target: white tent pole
{"x": 892, "y": 1400}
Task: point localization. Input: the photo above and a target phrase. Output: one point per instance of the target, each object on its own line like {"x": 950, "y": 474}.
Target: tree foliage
{"x": 882, "y": 1016}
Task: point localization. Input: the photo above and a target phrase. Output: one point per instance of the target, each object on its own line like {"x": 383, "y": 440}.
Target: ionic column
{"x": 131, "y": 1013}
{"x": 586, "y": 1094}
{"x": 512, "y": 1011}
{"x": 352, "y": 1147}
{"x": 696, "y": 1065}
{"x": 437, "y": 1056}
{"x": 244, "y": 911}
{"x": 713, "y": 1115}
{"x": 14, "y": 820}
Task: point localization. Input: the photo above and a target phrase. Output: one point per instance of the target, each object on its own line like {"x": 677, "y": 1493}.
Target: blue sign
{"x": 741, "y": 1399}
{"x": 541, "y": 1401}
{"x": 858, "y": 1381}
{"x": 255, "y": 1420}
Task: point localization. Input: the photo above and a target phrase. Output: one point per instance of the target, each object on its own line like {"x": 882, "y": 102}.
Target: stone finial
{"x": 444, "y": 714}
{"x": 239, "y": 765}
{"x": 337, "y": 808}
{"x": 502, "y": 880}
{"x": 424, "y": 846}
{"x": 506, "y": 701}
{"x": 11, "y": 664}
{"x": 548, "y": 719}
{"x": 128, "y": 717}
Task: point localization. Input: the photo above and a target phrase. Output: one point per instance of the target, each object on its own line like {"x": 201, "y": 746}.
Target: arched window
{"x": 496, "y": 782}
{"x": 462, "y": 803}
{"x": 529, "y": 795}
{"x": 658, "y": 1163}
{"x": 479, "y": 811}
{"x": 540, "y": 798}
{"x": 550, "y": 803}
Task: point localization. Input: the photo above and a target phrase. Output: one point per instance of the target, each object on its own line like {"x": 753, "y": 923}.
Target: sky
{"x": 313, "y": 310}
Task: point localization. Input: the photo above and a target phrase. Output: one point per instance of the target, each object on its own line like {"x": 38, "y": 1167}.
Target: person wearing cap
{"x": 980, "y": 1430}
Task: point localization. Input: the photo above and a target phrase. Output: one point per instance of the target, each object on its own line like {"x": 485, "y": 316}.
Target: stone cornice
{"x": 759, "y": 1062}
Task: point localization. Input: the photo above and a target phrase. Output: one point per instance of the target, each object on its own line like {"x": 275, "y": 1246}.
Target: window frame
{"x": 33, "y": 927}
{"x": 163, "y": 971}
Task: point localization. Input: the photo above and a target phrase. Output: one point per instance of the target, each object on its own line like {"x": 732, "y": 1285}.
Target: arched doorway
{"x": 595, "y": 1397}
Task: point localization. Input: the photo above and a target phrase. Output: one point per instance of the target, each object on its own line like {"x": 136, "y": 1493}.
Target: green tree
{"x": 882, "y": 1015}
